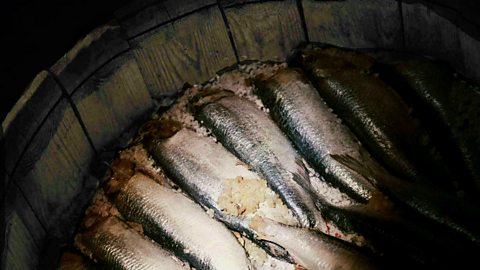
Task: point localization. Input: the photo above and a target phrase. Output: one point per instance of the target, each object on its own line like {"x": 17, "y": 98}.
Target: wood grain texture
{"x": 429, "y": 33}
{"x": 354, "y": 24}
{"x": 154, "y": 14}
{"x": 229, "y": 3}
{"x": 52, "y": 171}
{"x": 265, "y": 31}
{"x": 144, "y": 19}
{"x": 112, "y": 100}
{"x": 26, "y": 116}
{"x": 190, "y": 50}
{"x": 98, "y": 47}
{"x": 470, "y": 48}
{"x": 24, "y": 235}
{"x": 176, "y": 8}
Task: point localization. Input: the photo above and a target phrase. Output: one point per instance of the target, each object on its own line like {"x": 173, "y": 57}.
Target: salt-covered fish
{"x": 180, "y": 225}
{"x": 115, "y": 245}
{"x": 248, "y": 132}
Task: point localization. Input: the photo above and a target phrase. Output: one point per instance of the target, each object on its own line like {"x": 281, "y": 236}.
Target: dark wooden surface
{"x": 428, "y": 33}
{"x": 23, "y": 243}
{"x": 27, "y": 115}
{"x": 354, "y": 24}
{"x": 265, "y": 31}
{"x": 470, "y": 49}
{"x": 189, "y": 50}
{"x": 89, "y": 54}
{"x": 143, "y": 20}
{"x": 112, "y": 100}
{"x": 229, "y": 3}
{"x": 52, "y": 172}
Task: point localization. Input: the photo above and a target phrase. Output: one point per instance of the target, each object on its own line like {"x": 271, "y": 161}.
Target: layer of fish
{"x": 311, "y": 249}
{"x": 454, "y": 104}
{"x": 376, "y": 114}
{"x": 115, "y": 245}
{"x": 201, "y": 167}
{"x": 249, "y": 133}
{"x": 318, "y": 133}
{"x": 179, "y": 224}
{"x": 433, "y": 204}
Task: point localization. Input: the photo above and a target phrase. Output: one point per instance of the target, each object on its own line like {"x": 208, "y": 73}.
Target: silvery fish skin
{"x": 200, "y": 167}
{"x": 453, "y": 109}
{"x": 318, "y": 133}
{"x": 117, "y": 246}
{"x": 179, "y": 224}
{"x": 376, "y": 114}
{"x": 311, "y": 249}
{"x": 249, "y": 133}
{"x": 445, "y": 210}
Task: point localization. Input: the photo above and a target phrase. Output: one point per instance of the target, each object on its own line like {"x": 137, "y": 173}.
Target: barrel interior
{"x": 66, "y": 128}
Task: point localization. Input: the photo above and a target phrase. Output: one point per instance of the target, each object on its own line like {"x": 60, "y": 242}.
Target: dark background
{"x": 35, "y": 34}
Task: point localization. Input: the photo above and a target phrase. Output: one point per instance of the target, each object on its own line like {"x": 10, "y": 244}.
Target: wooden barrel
{"x": 74, "y": 116}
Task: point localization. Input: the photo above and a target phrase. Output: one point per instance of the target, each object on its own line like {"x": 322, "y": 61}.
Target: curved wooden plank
{"x": 52, "y": 171}
{"x": 27, "y": 115}
{"x": 191, "y": 49}
{"x": 265, "y": 31}
{"x": 146, "y": 18}
{"x": 354, "y": 24}
{"x": 429, "y": 33}
{"x": 229, "y": 3}
{"x": 470, "y": 48}
{"x": 23, "y": 234}
{"x": 112, "y": 100}
{"x": 137, "y": 19}
{"x": 90, "y": 53}
{"x": 177, "y": 8}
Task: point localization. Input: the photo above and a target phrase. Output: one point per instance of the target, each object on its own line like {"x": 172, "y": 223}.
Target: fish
{"x": 316, "y": 131}
{"x": 449, "y": 218}
{"x": 115, "y": 245}
{"x": 253, "y": 137}
{"x": 452, "y": 108}
{"x": 376, "y": 114}
{"x": 201, "y": 168}
{"x": 180, "y": 225}
{"x": 312, "y": 249}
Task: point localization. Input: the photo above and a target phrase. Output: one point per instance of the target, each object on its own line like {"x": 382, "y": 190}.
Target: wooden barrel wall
{"x": 73, "y": 116}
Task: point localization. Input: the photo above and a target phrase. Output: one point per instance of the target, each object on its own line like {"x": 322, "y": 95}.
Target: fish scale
{"x": 249, "y": 133}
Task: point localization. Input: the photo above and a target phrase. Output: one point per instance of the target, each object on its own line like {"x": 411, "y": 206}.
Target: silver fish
{"x": 249, "y": 133}
{"x": 115, "y": 245}
{"x": 179, "y": 224}
{"x": 318, "y": 133}
{"x": 311, "y": 249}
{"x": 376, "y": 113}
{"x": 200, "y": 167}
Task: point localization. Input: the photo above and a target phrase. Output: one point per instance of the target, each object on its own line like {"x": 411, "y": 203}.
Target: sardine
{"x": 180, "y": 225}
{"x": 311, "y": 249}
{"x": 249, "y": 133}
{"x": 115, "y": 245}
{"x": 453, "y": 109}
{"x": 443, "y": 209}
{"x": 318, "y": 133}
{"x": 202, "y": 168}
{"x": 376, "y": 114}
